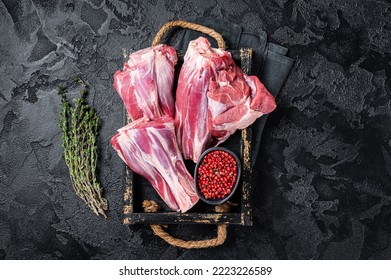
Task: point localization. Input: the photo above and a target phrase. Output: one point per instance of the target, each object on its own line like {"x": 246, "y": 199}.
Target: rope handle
{"x": 152, "y": 206}
{"x": 188, "y": 25}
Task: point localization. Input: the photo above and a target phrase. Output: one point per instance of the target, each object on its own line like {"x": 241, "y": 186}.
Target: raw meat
{"x": 145, "y": 84}
{"x": 214, "y": 99}
{"x": 235, "y": 101}
{"x": 150, "y": 149}
{"x": 200, "y": 65}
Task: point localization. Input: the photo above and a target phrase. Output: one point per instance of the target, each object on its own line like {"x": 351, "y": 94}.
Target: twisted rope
{"x": 188, "y": 25}
{"x": 152, "y": 206}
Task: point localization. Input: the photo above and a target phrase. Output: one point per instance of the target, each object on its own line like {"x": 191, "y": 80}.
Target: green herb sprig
{"x": 79, "y": 126}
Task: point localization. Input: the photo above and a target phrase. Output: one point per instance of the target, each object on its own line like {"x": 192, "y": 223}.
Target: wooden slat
{"x": 128, "y": 193}
{"x": 246, "y": 58}
{"x": 246, "y": 176}
{"x": 188, "y": 218}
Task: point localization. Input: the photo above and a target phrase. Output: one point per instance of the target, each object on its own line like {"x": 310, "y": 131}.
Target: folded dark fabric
{"x": 273, "y": 73}
{"x": 269, "y": 61}
{"x": 258, "y": 43}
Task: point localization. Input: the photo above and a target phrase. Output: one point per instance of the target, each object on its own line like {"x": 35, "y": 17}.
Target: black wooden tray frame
{"x": 244, "y": 218}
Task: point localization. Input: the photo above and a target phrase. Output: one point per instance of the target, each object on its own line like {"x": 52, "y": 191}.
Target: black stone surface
{"x": 323, "y": 176}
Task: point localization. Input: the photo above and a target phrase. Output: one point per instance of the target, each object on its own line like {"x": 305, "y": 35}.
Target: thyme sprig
{"x": 79, "y": 126}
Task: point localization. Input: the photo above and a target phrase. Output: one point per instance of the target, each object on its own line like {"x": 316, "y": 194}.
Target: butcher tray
{"x": 137, "y": 189}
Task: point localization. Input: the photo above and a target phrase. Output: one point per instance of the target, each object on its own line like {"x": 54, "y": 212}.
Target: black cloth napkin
{"x": 269, "y": 62}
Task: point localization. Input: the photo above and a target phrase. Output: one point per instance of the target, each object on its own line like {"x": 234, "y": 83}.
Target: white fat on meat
{"x": 150, "y": 149}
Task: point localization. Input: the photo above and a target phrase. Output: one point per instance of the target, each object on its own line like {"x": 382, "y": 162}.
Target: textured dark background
{"x": 323, "y": 176}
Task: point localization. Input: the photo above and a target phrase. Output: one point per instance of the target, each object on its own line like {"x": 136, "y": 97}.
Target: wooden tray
{"x": 137, "y": 189}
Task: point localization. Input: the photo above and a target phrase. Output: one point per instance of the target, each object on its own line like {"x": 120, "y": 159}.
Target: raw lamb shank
{"x": 150, "y": 149}
{"x": 145, "y": 84}
{"x": 235, "y": 101}
{"x": 214, "y": 99}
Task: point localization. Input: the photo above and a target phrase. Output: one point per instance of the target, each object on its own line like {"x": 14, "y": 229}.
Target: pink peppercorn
{"x": 217, "y": 174}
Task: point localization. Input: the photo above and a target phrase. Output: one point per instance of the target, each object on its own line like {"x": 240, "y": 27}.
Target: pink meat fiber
{"x": 146, "y": 82}
{"x": 214, "y": 99}
{"x": 150, "y": 149}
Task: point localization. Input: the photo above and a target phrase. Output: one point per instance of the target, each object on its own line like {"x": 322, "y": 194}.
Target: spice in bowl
{"x": 217, "y": 175}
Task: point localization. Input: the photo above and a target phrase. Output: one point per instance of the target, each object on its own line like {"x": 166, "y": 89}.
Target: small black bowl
{"x": 238, "y": 170}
